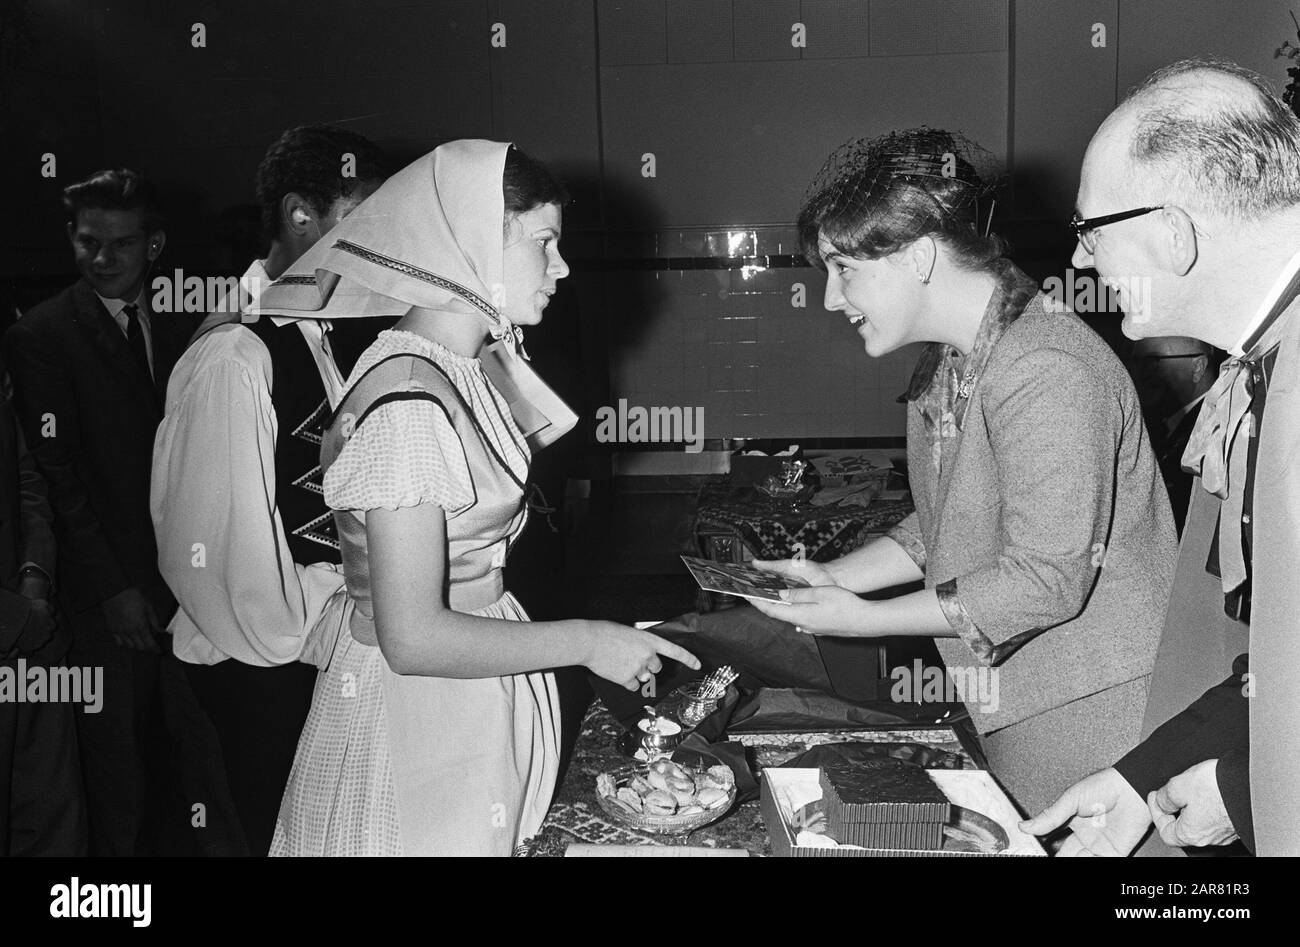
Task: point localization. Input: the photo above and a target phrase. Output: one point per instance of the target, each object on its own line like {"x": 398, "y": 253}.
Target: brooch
{"x": 967, "y": 383}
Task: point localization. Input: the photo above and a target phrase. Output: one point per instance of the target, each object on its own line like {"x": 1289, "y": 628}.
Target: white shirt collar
{"x": 115, "y": 306}
{"x": 252, "y": 284}
{"x": 1274, "y": 294}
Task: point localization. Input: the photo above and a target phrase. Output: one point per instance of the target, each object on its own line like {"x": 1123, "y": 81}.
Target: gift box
{"x": 883, "y": 803}
{"x": 786, "y": 791}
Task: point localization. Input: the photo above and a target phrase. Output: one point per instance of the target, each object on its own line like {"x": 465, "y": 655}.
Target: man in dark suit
{"x": 1189, "y": 201}
{"x": 90, "y": 369}
{"x": 42, "y": 811}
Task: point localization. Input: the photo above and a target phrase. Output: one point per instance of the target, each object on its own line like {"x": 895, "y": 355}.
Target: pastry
{"x": 724, "y": 776}
{"x": 682, "y": 784}
{"x": 629, "y": 796}
{"x": 712, "y": 798}
{"x": 682, "y": 798}
{"x": 659, "y": 803}
{"x": 622, "y": 806}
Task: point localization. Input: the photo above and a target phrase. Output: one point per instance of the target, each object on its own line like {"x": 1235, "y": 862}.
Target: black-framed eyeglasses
{"x": 1085, "y": 229}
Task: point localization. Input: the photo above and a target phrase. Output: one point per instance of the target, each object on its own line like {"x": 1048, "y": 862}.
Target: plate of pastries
{"x": 665, "y": 797}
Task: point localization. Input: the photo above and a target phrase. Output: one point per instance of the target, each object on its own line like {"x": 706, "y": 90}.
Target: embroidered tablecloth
{"x": 773, "y": 530}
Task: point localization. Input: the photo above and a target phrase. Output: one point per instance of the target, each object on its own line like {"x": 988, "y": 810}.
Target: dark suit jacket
{"x": 1169, "y": 453}
{"x": 1214, "y": 727}
{"x": 1251, "y": 730}
{"x": 26, "y": 526}
{"x": 89, "y": 412}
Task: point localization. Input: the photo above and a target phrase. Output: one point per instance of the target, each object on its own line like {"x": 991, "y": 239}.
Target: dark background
{"x": 737, "y": 118}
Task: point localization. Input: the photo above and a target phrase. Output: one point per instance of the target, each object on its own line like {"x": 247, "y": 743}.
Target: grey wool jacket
{"x": 1043, "y": 523}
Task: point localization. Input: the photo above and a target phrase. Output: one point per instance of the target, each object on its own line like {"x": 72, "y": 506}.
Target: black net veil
{"x": 875, "y": 195}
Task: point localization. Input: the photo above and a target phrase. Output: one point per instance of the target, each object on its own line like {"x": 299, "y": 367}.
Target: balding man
{"x": 1172, "y": 374}
{"x": 1189, "y": 205}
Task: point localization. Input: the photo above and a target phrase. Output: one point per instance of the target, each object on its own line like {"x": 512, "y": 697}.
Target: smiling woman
{"x": 1029, "y": 465}
{"x": 882, "y": 214}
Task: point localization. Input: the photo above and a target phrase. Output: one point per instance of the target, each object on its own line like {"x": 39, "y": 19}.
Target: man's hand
{"x": 821, "y": 610}
{"x": 1106, "y": 816}
{"x": 34, "y": 585}
{"x": 131, "y": 620}
{"x": 38, "y": 629}
{"x": 1189, "y": 810}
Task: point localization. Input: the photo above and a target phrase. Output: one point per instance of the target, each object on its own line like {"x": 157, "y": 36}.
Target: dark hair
{"x": 308, "y": 160}
{"x": 114, "y": 189}
{"x": 527, "y": 184}
{"x": 1238, "y": 155}
{"x": 873, "y": 197}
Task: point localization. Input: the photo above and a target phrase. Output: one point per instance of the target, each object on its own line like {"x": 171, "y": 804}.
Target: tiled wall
{"x": 738, "y": 118}
{"x": 732, "y": 342}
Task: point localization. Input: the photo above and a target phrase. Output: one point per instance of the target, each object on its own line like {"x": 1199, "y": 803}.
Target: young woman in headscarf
{"x": 1042, "y": 528}
{"x": 434, "y": 727}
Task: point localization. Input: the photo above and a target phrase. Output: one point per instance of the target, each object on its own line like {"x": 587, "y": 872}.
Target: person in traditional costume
{"x": 434, "y": 728}
{"x": 245, "y": 540}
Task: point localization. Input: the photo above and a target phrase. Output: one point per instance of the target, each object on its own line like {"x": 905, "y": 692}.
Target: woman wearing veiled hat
{"x": 434, "y": 728}
{"x": 1042, "y": 529}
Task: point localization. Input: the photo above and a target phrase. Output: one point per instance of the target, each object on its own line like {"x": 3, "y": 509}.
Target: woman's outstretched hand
{"x": 629, "y": 657}
{"x": 821, "y": 610}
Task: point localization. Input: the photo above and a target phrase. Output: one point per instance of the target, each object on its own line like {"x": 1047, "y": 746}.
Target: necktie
{"x": 1217, "y": 451}
{"x": 135, "y": 337}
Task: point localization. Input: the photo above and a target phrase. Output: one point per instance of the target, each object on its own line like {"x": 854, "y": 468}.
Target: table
{"x": 576, "y": 816}
{"x": 735, "y": 524}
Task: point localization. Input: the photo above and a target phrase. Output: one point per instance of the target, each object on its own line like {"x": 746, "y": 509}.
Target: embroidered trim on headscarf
{"x": 470, "y": 297}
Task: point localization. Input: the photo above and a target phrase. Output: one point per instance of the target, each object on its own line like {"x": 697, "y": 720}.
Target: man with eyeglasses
{"x": 1172, "y": 375}
{"x": 1192, "y": 187}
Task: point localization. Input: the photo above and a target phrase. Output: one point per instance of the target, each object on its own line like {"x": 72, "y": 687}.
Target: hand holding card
{"x": 743, "y": 581}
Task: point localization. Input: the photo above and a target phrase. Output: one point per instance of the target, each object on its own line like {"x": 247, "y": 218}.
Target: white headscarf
{"x": 432, "y": 237}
